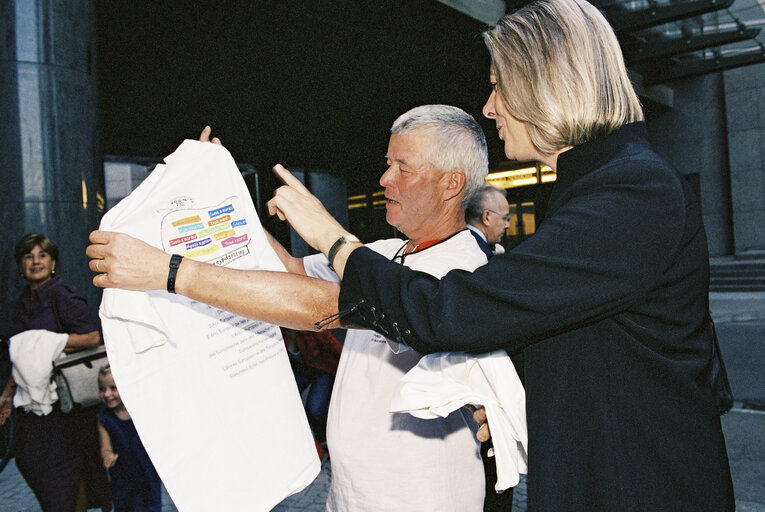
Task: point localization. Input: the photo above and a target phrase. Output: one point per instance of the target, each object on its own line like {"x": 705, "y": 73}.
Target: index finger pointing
{"x": 290, "y": 180}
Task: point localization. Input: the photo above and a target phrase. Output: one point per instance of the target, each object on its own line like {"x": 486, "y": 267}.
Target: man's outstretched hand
{"x": 122, "y": 261}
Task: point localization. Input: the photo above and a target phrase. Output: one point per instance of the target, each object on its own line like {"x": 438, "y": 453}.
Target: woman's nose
{"x": 489, "y": 107}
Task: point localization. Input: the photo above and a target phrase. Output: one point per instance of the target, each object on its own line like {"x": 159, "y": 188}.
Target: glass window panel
{"x": 548, "y": 174}
{"x": 512, "y": 230}
{"x": 528, "y": 217}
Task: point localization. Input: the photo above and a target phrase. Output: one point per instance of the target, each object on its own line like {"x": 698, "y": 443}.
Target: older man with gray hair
{"x": 381, "y": 461}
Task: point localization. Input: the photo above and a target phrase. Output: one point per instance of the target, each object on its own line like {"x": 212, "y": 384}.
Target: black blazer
{"x": 609, "y": 303}
{"x": 482, "y": 244}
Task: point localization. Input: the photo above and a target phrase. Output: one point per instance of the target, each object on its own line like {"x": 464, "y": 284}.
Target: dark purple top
{"x": 135, "y": 484}
{"x": 54, "y": 295}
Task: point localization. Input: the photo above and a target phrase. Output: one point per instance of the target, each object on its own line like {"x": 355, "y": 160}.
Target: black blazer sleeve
{"x": 610, "y": 240}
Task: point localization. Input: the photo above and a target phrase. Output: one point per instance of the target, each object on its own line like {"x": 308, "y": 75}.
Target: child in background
{"x": 135, "y": 484}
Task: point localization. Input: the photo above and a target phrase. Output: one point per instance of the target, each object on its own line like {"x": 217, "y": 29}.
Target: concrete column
{"x": 331, "y": 191}
{"x": 691, "y": 136}
{"x": 52, "y": 173}
{"x": 745, "y": 108}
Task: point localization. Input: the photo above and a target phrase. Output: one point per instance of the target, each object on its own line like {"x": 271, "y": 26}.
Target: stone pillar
{"x": 331, "y": 191}
{"x": 52, "y": 173}
{"x": 692, "y": 136}
{"x": 745, "y": 108}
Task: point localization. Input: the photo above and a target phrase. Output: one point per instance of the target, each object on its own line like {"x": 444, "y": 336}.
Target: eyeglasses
{"x": 506, "y": 218}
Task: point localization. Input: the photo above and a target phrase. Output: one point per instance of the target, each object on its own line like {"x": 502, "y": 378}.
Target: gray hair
{"x": 458, "y": 142}
{"x": 477, "y": 202}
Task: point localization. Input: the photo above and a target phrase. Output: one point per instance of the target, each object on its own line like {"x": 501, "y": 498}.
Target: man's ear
{"x": 455, "y": 184}
{"x": 485, "y": 218}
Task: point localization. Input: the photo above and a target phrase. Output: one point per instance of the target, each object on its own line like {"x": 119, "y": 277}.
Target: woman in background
{"x": 56, "y": 453}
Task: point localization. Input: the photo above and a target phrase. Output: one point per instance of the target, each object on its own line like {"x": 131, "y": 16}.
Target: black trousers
{"x": 494, "y": 502}
{"x": 48, "y": 458}
{"x": 56, "y": 451}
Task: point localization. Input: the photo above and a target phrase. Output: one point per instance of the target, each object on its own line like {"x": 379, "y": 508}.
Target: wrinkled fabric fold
{"x": 442, "y": 383}
{"x": 32, "y": 354}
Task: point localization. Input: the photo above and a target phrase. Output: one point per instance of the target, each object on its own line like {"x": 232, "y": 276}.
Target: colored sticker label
{"x": 215, "y": 222}
{"x": 201, "y": 252}
{"x": 191, "y": 227}
{"x": 225, "y": 234}
{"x": 187, "y": 220}
{"x": 220, "y": 211}
{"x": 216, "y": 229}
{"x": 198, "y": 243}
{"x": 182, "y": 239}
{"x": 234, "y": 240}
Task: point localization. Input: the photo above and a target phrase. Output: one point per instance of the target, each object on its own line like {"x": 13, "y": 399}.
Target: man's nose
{"x": 385, "y": 178}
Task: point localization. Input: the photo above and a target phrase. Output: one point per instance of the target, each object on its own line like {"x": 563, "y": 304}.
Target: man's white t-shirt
{"x": 384, "y": 461}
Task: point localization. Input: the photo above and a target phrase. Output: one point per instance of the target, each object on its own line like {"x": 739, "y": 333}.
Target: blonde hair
{"x": 560, "y": 70}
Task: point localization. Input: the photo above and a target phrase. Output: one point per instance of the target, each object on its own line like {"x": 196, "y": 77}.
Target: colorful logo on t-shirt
{"x": 217, "y": 234}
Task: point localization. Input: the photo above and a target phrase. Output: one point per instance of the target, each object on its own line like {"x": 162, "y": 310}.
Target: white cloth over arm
{"x": 442, "y": 383}
{"x": 32, "y": 354}
{"x": 211, "y": 394}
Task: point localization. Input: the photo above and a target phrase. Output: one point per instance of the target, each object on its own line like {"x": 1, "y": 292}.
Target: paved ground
{"x": 15, "y": 496}
{"x": 744, "y": 432}
{"x": 737, "y": 307}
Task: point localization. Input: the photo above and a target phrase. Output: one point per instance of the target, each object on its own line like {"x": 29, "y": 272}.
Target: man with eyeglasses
{"x": 487, "y": 218}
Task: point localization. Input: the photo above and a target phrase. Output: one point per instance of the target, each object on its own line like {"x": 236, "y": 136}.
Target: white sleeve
{"x": 317, "y": 265}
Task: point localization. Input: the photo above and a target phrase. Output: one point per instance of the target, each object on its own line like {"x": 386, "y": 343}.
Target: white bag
{"x": 76, "y": 377}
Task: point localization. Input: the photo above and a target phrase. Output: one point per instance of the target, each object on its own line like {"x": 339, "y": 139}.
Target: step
{"x": 741, "y": 273}
{"x": 738, "y": 265}
{"x": 739, "y": 279}
{"x": 754, "y": 254}
{"x": 713, "y": 287}
{"x": 737, "y": 275}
